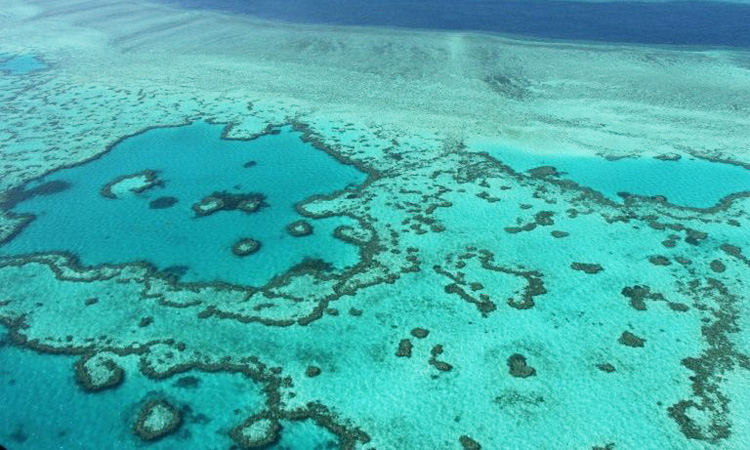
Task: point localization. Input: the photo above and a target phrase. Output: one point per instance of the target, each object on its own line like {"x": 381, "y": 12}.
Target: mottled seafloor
{"x": 450, "y": 295}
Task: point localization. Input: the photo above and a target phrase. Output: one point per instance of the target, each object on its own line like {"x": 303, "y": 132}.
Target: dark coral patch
{"x": 544, "y": 218}
{"x": 668, "y": 157}
{"x": 259, "y": 431}
{"x": 225, "y": 201}
{"x": 638, "y": 295}
{"x": 420, "y": 333}
{"x": 440, "y": 365}
{"x": 245, "y": 247}
{"x": 187, "y": 382}
{"x": 718, "y": 266}
{"x": 98, "y": 377}
{"x": 18, "y": 195}
{"x": 659, "y": 260}
{"x": 468, "y": 443}
{"x": 590, "y": 269}
{"x": 629, "y": 339}
{"x": 694, "y": 237}
{"x": 157, "y": 419}
{"x": 299, "y": 228}
{"x": 150, "y": 180}
{"x": 176, "y": 271}
{"x": 163, "y": 203}
{"x": 404, "y": 348}
{"x": 544, "y": 172}
{"x": 518, "y": 367}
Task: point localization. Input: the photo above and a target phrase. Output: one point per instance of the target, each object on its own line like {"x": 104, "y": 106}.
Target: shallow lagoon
{"x": 68, "y": 417}
{"x": 20, "y": 64}
{"x": 689, "y": 181}
{"x": 192, "y": 162}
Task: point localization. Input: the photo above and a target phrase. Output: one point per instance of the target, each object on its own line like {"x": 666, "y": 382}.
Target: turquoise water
{"x": 20, "y": 64}
{"x": 688, "y": 181}
{"x": 192, "y": 162}
{"x": 305, "y": 435}
{"x": 478, "y": 307}
{"x": 68, "y": 418}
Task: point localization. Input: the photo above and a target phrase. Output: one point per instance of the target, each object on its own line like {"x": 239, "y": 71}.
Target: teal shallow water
{"x": 20, "y": 64}
{"x": 574, "y": 328}
{"x": 66, "y": 417}
{"x": 688, "y": 182}
{"x": 192, "y": 162}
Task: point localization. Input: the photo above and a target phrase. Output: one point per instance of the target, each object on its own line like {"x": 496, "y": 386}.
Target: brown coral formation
{"x": 517, "y": 366}
{"x": 259, "y": 431}
{"x": 135, "y": 183}
{"x": 245, "y": 247}
{"x": 97, "y": 374}
{"x": 590, "y": 269}
{"x": 157, "y": 419}
{"x": 224, "y": 201}
{"x": 630, "y": 340}
{"x": 404, "y": 348}
{"x": 299, "y": 228}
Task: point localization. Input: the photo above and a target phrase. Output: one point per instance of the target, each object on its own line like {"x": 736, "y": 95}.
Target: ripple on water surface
{"x": 187, "y": 201}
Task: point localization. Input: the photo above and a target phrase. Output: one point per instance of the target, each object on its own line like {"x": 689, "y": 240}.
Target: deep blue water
{"x": 699, "y": 23}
